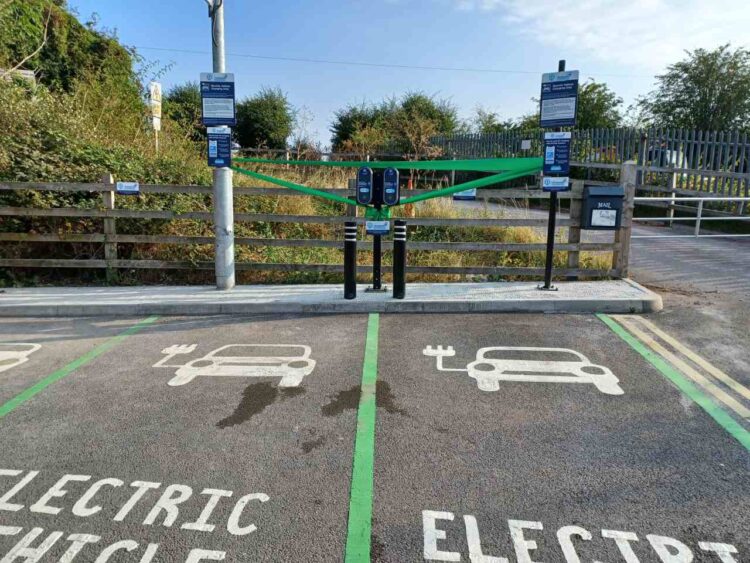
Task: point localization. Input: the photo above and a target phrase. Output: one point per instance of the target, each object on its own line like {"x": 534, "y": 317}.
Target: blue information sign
{"x": 377, "y": 227}
{"x": 217, "y": 99}
{"x": 364, "y": 185}
{"x": 219, "y": 147}
{"x": 559, "y": 99}
{"x": 555, "y": 183}
{"x": 557, "y": 153}
{"x": 391, "y": 189}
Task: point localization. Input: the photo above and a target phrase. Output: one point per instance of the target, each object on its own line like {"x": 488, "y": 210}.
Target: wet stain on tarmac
{"x": 349, "y": 400}
{"x": 344, "y": 400}
{"x": 386, "y": 400}
{"x": 310, "y": 445}
{"x": 255, "y": 398}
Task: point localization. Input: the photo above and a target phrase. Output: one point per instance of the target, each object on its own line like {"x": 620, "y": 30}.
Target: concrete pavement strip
{"x": 615, "y": 296}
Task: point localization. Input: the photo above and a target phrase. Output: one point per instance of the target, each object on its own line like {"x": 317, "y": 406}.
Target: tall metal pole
{"x": 222, "y": 189}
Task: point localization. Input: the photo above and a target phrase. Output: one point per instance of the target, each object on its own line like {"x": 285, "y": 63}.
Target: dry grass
{"x": 439, "y": 208}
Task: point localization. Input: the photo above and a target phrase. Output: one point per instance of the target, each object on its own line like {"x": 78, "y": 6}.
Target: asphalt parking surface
{"x": 202, "y": 458}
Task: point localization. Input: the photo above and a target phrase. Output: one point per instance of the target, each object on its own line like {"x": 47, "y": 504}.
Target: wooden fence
{"x": 109, "y": 238}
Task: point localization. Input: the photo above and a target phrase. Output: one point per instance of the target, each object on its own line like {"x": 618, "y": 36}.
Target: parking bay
{"x": 122, "y": 464}
{"x": 173, "y": 456}
{"x": 577, "y": 472}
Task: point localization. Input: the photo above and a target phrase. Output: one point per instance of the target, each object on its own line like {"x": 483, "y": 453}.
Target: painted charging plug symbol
{"x": 290, "y": 362}
{"x": 532, "y": 365}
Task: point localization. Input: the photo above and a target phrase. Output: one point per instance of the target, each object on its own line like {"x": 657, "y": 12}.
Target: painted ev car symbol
{"x": 13, "y": 354}
{"x": 537, "y": 365}
{"x": 290, "y": 362}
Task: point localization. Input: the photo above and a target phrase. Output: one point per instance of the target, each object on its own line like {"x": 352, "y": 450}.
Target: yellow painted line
{"x": 718, "y": 393}
{"x": 735, "y": 386}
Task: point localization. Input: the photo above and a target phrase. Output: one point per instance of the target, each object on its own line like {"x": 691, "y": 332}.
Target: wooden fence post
{"x": 110, "y": 247}
{"x": 574, "y": 231}
{"x": 621, "y": 255}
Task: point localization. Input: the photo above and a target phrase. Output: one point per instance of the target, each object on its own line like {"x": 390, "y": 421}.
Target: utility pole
{"x": 222, "y": 188}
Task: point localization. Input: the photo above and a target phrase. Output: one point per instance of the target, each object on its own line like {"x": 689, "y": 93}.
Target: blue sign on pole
{"x": 217, "y": 99}
{"x": 557, "y": 153}
{"x": 364, "y": 185}
{"x": 559, "y": 100}
{"x": 219, "y": 147}
{"x": 391, "y": 188}
{"x": 555, "y": 183}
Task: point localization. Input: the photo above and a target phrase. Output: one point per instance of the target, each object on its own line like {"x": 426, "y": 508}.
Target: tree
{"x": 405, "y": 122}
{"x": 598, "y": 106}
{"x": 182, "y": 104}
{"x": 350, "y": 120}
{"x": 708, "y": 90}
{"x": 265, "y": 120}
{"x": 485, "y": 121}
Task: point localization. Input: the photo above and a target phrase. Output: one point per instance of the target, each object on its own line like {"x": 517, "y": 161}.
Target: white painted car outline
{"x": 12, "y": 358}
{"x": 291, "y": 368}
{"x": 536, "y": 371}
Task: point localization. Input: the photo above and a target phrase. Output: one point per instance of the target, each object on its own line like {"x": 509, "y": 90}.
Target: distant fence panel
{"x": 670, "y": 160}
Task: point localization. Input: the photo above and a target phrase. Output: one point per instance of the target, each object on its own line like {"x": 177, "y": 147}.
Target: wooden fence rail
{"x": 108, "y": 212}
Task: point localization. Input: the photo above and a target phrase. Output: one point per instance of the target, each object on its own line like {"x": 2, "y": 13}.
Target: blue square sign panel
{"x": 557, "y": 152}
{"x": 217, "y": 99}
{"x": 559, "y": 99}
{"x": 219, "y": 147}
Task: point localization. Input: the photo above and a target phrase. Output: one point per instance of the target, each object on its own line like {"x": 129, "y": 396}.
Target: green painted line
{"x": 27, "y": 394}
{"x": 360, "y": 500}
{"x": 672, "y": 374}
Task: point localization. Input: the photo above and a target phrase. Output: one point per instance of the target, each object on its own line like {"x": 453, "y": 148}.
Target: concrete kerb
{"x": 617, "y": 296}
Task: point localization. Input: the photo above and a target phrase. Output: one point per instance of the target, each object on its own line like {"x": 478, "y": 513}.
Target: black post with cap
{"x": 399, "y": 259}
{"x": 350, "y": 260}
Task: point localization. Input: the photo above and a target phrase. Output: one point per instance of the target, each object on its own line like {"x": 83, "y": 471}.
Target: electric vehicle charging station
{"x": 379, "y": 189}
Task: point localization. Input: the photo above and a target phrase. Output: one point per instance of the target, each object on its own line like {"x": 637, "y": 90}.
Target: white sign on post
{"x": 155, "y": 97}
{"x": 555, "y": 183}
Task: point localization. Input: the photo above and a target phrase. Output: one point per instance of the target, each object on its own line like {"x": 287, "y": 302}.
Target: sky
{"x": 494, "y": 50}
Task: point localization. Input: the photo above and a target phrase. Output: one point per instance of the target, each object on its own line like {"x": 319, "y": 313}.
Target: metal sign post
{"x": 218, "y": 108}
{"x": 558, "y": 108}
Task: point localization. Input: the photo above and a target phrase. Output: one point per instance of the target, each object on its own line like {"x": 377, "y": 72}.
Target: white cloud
{"x": 645, "y": 34}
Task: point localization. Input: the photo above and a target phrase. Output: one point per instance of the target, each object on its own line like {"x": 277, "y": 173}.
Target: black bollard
{"x": 350, "y": 260}
{"x": 399, "y": 260}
